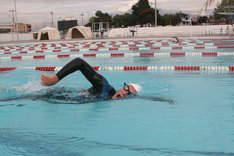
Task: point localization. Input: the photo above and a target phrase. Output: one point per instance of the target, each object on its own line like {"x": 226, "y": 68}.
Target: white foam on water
{"x": 33, "y": 85}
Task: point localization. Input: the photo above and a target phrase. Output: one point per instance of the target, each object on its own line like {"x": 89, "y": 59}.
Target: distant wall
{"x": 9, "y": 37}
{"x": 186, "y": 31}
{"x": 172, "y": 31}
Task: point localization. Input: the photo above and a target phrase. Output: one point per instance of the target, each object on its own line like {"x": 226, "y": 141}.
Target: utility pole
{"x": 156, "y": 14}
{"x": 13, "y": 23}
{"x": 52, "y": 19}
{"x": 82, "y": 15}
{"x": 17, "y": 31}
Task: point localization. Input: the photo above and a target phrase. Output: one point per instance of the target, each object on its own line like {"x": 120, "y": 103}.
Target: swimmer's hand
{"x": 49, "y": 80}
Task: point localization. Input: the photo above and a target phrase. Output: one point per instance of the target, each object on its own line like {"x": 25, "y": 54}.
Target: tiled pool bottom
{"x": 199, "y": 123}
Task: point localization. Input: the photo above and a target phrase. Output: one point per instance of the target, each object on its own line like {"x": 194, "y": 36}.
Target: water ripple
{"x": 94, "y": 144}
{"x": 15, "y": 142}
{"x": 28, "y": 143}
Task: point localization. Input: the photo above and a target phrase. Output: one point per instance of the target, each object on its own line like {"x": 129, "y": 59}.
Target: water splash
{"x": 13, "y": 92}
{"x": 33, "y": 90}
{"x": 31, "y": 86}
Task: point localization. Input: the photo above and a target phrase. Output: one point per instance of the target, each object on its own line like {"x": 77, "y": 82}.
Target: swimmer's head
{"x": 137, "y": 87}
{"x": 126, "y": 90}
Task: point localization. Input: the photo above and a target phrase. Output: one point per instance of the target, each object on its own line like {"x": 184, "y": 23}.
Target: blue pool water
{"x": 200, "y": 122}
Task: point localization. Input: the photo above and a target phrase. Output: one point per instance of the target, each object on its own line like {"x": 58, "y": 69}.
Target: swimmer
{"x": 177, "y": 39}
{"x": 99, "y": 91}
{"x": 100, "y": 86}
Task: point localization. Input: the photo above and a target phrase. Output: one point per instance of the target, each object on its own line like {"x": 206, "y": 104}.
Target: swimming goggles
{"x": 127, "y": 88}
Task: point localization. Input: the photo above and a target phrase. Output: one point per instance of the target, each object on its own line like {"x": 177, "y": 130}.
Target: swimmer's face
{"x": 124, "y": 92}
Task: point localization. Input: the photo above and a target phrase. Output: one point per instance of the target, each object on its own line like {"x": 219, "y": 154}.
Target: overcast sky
{"x": 37, "y": 12}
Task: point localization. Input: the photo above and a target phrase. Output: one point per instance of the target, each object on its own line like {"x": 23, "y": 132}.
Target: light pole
{"x": 17, "y": 31}
{"x": 52, "y": 19}
{"x": 13, "y": 23}
{"x": 156, "y": 16}
{"x": 82, "y": 15}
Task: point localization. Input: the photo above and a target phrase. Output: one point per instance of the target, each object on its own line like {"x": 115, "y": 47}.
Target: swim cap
{"x": 136, "y": 86}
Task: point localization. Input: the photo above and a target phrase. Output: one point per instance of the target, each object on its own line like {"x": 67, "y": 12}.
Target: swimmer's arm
{"x": 160, "y": 99}
{"x": 77, "y": 64}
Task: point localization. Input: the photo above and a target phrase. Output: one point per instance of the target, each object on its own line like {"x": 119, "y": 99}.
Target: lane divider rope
{"x": 98, "y": 49}
{"x": 113, "y": 43}
{"x": 132, "y": 68}
{"x": 115, "y": 55}
{"x": 56, "y": 46}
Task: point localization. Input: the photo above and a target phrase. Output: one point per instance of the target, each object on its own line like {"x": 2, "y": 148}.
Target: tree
{"x": 124, "y": 20}
{"x": 202, "y": 19}
{"x": 143, "y": 12}
{"x": 171, "y": 19}
{"x": 102, "y": 17}
{"x": 5, "y": 30}
{"x": 223, "y": 7}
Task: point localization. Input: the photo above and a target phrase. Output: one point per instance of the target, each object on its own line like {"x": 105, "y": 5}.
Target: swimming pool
{"x": 200, "y": 122}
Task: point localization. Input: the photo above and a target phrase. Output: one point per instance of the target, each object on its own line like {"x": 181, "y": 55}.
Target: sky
{"x": 37, "y": 12}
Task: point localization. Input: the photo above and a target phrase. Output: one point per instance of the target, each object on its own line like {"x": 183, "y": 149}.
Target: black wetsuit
{"x": 100, "y": 86}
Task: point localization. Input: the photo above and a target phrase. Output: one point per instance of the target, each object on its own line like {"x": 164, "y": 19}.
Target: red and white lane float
{"x": 109, "y": 48}
{"x": 132, "y": 68}
{"x": 114, "y": 55}
{"x": 131, "y": 45}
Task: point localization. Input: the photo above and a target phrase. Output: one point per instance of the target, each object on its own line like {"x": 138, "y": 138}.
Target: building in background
{"x": 22, "y": 28}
